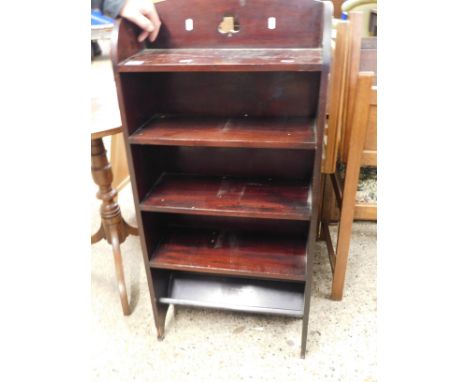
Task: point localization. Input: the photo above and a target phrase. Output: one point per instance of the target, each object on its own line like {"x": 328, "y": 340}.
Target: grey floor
{"x": 210, "y": 345}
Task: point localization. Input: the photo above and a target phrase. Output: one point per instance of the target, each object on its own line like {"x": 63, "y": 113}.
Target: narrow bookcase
{"x": 223, "y": 118}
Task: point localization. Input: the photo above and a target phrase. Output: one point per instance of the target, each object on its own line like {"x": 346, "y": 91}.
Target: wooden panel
{"x": 202, "y": 195}
{"x": 365, "y": 211}
{"x": 295, "y": 133}
{"x": 119, "y": 163}
{"x": 151, "y": 161}
{"x": 370, "y": 143}
{"x": 336, "y": 100}
{"x": 157, "y": 225}
{"x": 139, "y": 100}
{"x": 214, "y": 60}
{"x": 232, "y": 253}
{"x": 369, "y": 158}
{"x": 356, "y": 19}
{"x": 269, "y": 94}
{"x": 298, "y": 24}
{"x": 368, "y": 58}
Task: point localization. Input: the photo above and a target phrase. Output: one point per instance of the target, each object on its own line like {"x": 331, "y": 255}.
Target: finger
{"x": 142, "y": 21}
{"x": 154, "y": 18}
{"x": 143, "y": 35}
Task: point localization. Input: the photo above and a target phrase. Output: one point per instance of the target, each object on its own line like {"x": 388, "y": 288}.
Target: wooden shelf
{"x": 258, "y": 296}
{"x": 288, "y": 133}
{"x": 269, "y": 256}
{"x": 226, "y": 196}
{"x": 223, "y": 60}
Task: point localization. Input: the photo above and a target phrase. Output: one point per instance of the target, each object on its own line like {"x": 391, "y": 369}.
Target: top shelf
{"x": 223, "y": 60}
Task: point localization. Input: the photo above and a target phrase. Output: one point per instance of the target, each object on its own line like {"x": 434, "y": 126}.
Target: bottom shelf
{"x": 240, "y": 294}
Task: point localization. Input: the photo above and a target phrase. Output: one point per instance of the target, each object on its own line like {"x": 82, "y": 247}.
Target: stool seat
{"x": 105, "y": 112}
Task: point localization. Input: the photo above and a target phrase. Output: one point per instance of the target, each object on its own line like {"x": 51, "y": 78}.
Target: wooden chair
{"x": 352, "y": 54}
{"x": 351, "y": 139}
{"x": 364, "y": 120}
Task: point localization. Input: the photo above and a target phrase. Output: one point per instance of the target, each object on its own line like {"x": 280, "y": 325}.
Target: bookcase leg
{"x": 305, "y": 318}
{"x": 161, "y": 312}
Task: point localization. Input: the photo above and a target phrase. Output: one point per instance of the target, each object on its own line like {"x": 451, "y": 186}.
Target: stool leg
{"x": 113, "y": 228}
{"x": 98, "y": 235}
{"x": 119, "y": 271}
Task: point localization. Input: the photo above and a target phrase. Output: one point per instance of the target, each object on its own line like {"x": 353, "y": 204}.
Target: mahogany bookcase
{"x": 223, "y": 119}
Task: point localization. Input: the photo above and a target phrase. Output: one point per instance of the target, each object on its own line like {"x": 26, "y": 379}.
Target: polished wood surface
{"x": 287, "y": 132}
{"x": 219, "y": 94}
{"x": 242, "y": 87}
{"x": 299, "y": 24}
{"x": 279, "y": 257}
{"x": 223, "y": 60}
{"x": 226, "y": 196}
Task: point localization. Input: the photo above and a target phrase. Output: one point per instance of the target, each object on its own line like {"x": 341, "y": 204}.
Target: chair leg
{"x": 353, "y": 168}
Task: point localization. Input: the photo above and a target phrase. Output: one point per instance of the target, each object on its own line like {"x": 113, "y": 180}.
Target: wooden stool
{"x": 113, "y": 228}
{"x": 105, "y": 121}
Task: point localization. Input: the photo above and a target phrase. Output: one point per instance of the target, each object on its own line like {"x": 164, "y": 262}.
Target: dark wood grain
{"x": 256, "y": 198}
{"x": 225, "y": 252}
{"x": 223, "y": 60}
{"x": 293, "y": 133}
{"x": 220, "y": 94}
{"x": 298, "y": 24}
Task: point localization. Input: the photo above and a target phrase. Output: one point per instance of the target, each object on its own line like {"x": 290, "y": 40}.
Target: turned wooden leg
{"x": 99, "y": 235}
{"x": 113, "y": 228}
{"x": 119, "y": 272}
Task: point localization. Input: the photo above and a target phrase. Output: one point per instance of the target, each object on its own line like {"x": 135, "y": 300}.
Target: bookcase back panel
{"x": 151, "y": 161}
{"x": 239, "y": 24}
{"x": 273, "y": 94}
{"x": 157, "y": 225}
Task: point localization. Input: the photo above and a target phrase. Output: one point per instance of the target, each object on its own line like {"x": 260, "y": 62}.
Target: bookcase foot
{"x": 161, "y": 320}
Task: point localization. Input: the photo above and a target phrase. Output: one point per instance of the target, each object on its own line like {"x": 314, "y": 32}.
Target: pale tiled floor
{"x": 210, "y": 345}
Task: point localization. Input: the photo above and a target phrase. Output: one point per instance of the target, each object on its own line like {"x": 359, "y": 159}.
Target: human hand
{"x": 142, "y": 13}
